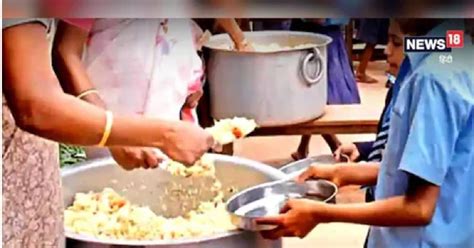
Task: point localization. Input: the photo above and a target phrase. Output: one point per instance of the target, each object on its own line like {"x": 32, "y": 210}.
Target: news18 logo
{"x": 453, "y": 39}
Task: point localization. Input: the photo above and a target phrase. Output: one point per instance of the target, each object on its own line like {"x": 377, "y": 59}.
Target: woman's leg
{"x": 372, "y": 32}
{"x": 332, "y": 141}
{"x": 303, "y": 148}
{"x": 361, "y": 75}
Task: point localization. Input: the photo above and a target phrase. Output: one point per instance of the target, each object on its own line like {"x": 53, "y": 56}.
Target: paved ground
{"x": 276, "y": 151}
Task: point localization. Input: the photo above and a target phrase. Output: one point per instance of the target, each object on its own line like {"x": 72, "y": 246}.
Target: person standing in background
{"x": 132, "y": 80}
{"x": 372, "y": 32}
{"x": 158, "y": 75}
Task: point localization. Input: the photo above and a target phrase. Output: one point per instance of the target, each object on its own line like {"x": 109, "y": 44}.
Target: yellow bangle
{"x": 87, "y": 92}
{"x": 108, "y": 128}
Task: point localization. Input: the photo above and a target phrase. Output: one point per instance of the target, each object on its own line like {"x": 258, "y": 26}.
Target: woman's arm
{"x": 230, "y": 26}
{"x": 39, "y": 105}
{"x": 67, "y": 63}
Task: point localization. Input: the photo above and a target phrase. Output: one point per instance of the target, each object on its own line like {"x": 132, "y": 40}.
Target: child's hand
{"x": 321, "y": 171}
{"x": 349, "y": 150}
{"x": 298, "y": 218}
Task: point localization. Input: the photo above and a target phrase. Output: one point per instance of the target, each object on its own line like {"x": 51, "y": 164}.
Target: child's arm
{"x": 413, "y": 209}
{"x": 343, "y": 174}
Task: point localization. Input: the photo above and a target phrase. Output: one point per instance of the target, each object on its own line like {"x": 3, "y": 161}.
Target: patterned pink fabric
{"x": 143, "y": 66}
{"x": 140, "y": 67}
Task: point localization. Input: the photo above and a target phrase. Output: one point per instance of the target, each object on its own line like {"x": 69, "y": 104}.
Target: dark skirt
{"x": 373, "y": 31}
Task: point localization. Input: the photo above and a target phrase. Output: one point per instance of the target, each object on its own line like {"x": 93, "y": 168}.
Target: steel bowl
{"x": 267, "y": 199}
{"x": 295, "y": 168}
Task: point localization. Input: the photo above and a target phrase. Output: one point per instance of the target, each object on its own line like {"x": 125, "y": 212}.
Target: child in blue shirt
{"x": 424, "y": 195}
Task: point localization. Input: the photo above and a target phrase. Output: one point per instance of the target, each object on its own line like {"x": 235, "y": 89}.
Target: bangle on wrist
{"x": 87, "y": 92}
{"x": 109, "y": 119}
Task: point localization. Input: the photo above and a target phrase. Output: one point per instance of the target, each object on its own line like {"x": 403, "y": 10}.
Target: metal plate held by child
{"x": 262, "y": 200}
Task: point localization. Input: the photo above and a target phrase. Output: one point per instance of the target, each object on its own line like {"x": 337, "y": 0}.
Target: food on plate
{"x": 272, "y": 47}
{"x": 108, "y": 215}
{"x": 227, "y": 131}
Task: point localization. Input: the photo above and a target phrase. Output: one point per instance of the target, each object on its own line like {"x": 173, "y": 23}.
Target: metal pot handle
{"x": 316, "y": 54}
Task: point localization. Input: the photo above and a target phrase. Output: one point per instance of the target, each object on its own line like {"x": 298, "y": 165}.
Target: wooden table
{"x": 337, "y": 119}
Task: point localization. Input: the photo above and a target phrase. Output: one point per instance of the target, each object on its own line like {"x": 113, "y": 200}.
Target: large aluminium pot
{"x": 274, "y": 88}
{"x": 231, "y": 171}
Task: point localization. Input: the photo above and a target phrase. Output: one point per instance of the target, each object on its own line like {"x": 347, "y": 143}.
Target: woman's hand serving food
{"x": 223, "y": 132}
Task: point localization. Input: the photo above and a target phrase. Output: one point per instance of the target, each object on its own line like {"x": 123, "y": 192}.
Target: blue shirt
{"x": 378, "y": 146}
{"x": 432, "y": 137}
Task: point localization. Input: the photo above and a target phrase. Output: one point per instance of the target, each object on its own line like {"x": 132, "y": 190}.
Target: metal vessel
{"x": 295, "y": 168}
{"x": 284, "y": 87}
{"x": 143, "y": 187}
{"x": 146, "y": 187}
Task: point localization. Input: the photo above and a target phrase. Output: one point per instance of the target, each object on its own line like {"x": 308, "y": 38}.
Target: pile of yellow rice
{"x": 108, "y": 215}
